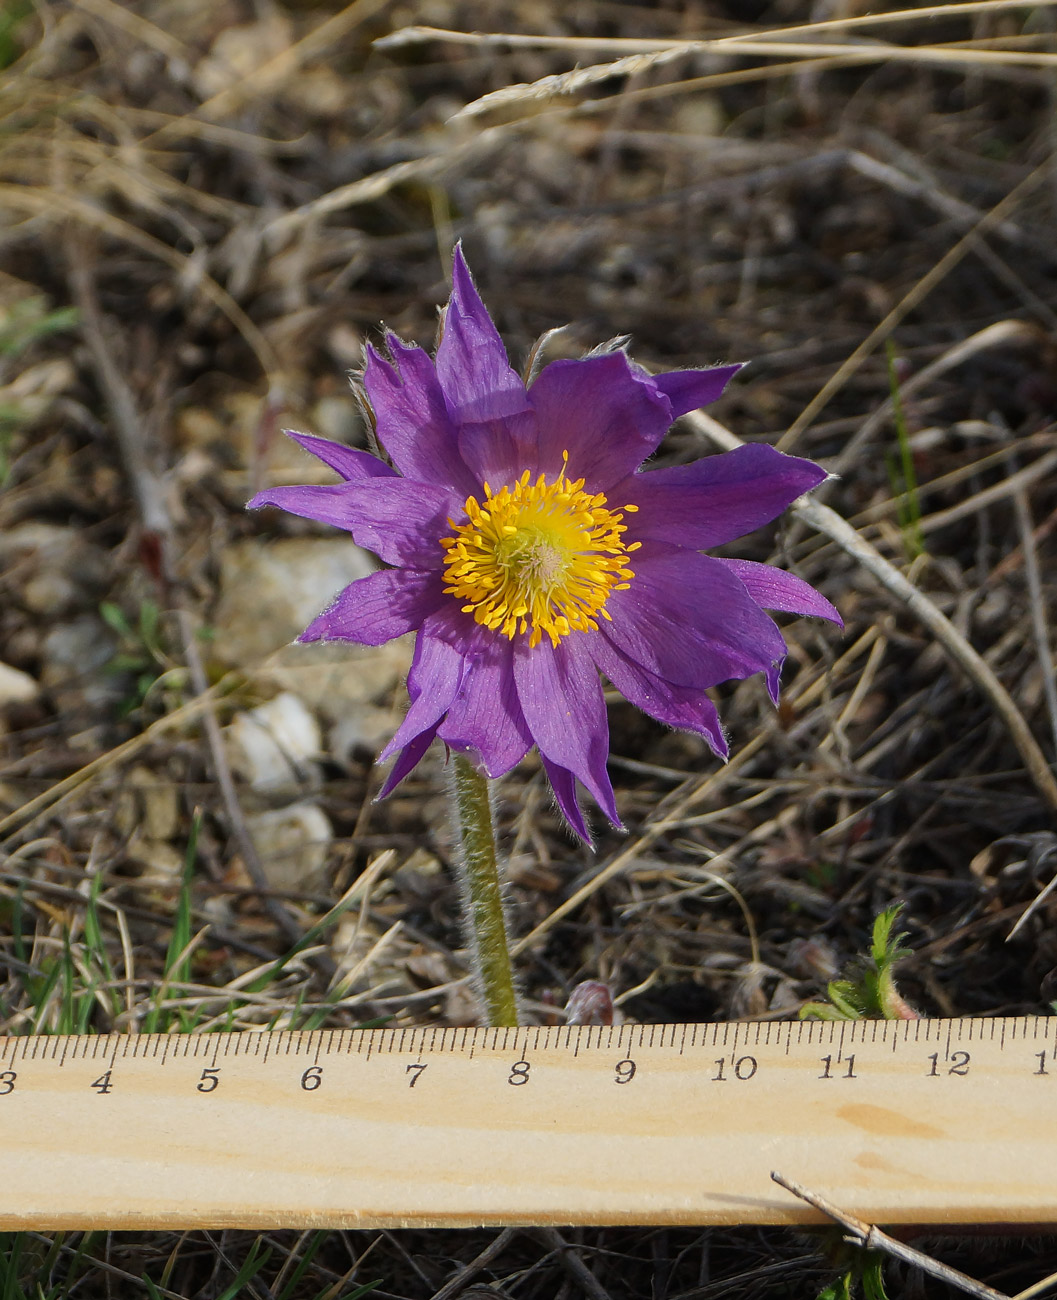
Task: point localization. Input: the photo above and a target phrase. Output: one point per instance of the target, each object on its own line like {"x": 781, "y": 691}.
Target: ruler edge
{"x": 458, "y": 1040}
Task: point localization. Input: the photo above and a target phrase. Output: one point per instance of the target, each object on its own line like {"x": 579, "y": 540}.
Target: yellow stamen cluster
{"x": 538, "y": 557}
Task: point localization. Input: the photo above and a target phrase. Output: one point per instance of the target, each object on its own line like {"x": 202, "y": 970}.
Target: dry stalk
{"x": 148, "y": 493}
{"x": 871, "y": 1238}
{"x": 830, "y": 524}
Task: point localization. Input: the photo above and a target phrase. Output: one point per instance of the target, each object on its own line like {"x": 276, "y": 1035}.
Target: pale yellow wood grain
{"x": 464, "y": 1145}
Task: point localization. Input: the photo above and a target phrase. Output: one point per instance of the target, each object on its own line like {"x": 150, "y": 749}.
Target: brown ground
{"x": 207, "y": 209}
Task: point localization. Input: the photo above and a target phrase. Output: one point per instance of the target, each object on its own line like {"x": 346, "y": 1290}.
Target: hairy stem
{"x": 481, "y": 895}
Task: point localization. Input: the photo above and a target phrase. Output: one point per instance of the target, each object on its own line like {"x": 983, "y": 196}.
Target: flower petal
{"x": 413, "y": 423}
{"x": 687, "y": 619}
{"x": 486, "y": 717}
{"x": 378, "y": 608}
{"x": 773, "y": 588}
{"x": 688, "y": 390}
{"x": 472, "y": 364}
{"x": 410, "y": 757}
{"x": 561, "y": 698}
{"x": 606, "y": 415}
{"x": 685, "y": 707}
{"x": 437, "y": 671}
{"x": 401, "y": 521}
{"x": 498, "y": 450}
{"x": 352, "y": 464}
{"x": 716, "y": 499}
{"x": 327, "y": 505}
{"x": 563, "y": 783}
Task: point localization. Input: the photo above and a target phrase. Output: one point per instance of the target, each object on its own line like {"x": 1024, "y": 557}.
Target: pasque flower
{"x": 531, "y": 552}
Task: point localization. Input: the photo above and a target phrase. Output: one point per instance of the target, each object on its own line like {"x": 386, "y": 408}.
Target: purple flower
{"x": 530, "y": 551}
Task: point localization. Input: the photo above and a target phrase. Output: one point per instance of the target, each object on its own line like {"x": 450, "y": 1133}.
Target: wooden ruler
{"x": 929, "y": 1121}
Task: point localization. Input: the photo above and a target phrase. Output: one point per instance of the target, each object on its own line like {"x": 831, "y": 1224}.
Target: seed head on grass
{"x": 530, "y": 551}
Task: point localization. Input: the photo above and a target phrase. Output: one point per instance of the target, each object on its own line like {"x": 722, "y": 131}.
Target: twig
{"x": 26, "y": 816}
{"x": 469, "y": 1271}
{"x": 1001, "y": 333}
{"x": 1037, "y": 603}
{"x": 831, "y": 525}
{"x": 673, "y": 810}
{"x": 871, "y": 1238}
{"x": 917, "y": 294}
{"x": 150, "y": 501}
{"x": 572, "y": 1263}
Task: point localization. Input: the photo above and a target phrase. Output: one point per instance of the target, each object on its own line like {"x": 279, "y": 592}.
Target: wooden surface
{"x": 932, "y": 1121}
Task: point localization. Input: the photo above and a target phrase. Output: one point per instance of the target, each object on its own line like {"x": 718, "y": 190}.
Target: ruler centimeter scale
{"x": 927, "y": 1121}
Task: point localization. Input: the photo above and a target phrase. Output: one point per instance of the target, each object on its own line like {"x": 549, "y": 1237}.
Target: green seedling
{"x": 868, "y": 990}
{"x": 140, "y": 655}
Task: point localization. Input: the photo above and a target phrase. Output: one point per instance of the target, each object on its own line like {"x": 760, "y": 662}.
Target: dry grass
{"x": 232, "y": 197}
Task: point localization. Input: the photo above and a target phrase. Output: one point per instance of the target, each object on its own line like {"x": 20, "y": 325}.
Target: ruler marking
{"x": 947, "y": 1045}
{"x": 1002, "y": 1038}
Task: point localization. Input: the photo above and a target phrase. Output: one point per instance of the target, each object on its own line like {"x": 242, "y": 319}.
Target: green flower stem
{"x": 482, "y": 896}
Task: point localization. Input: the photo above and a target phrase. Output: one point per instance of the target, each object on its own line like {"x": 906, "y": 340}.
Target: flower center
{"x": 538, "y": 557}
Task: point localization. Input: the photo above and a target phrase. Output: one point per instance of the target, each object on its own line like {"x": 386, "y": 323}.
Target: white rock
{"x": 341, "y": 681}
{"x": 292, "y": 843}
{"x": 362, "y": 727}
{"x": 271, "y": 591}
{"x": 16, "y": 687}
{"x": 75, "y": 655}
{"x": 274, "y": 745}
{"x": 63, "y": 572}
